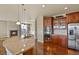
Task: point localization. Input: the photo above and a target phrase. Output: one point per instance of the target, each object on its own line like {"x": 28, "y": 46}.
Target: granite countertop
{"x": 17, "y": 46}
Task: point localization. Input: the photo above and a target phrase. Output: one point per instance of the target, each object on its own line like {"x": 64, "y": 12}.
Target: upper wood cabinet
{"x": 47, "y": 21}
{"x": 73, "y": 17}
{"x": 59, "y": 23}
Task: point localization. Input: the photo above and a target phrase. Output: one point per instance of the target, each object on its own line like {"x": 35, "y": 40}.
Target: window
{"x": 25, "y": 30}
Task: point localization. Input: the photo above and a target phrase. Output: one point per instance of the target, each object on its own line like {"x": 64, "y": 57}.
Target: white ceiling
{"x": 10, "y": 11}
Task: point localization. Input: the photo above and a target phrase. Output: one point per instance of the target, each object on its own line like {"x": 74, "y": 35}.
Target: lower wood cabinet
{"x": 59, "y": 40}
{"x": 28, "y": 52}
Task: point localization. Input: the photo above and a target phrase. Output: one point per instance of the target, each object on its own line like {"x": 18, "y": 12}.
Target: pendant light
{"x": 66, "y": 10}
{"x": 18, "y": 21}
{"x": 23, "y": 13}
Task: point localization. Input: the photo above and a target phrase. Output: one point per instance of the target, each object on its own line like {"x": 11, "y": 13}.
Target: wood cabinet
{"x": 48, "y": 27}
{"x": 59, "y": 23}
{"x": 47, "y": 21}
{"x": 28, "y": 52}
{"x": 59, "y": 40}
{"x": 73, "y": 17}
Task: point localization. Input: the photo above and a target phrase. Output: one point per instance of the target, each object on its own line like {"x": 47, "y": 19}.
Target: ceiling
{"x": 9, "y": 12}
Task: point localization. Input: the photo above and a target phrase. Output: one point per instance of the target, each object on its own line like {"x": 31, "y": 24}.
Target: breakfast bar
{"x": 18, "y": 46}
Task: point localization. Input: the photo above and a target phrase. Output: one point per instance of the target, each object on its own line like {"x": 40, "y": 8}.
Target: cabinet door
{"x": 70, "y": 18}
{"x": 73, "y": 17}
{"x": 77, "y": 17}
{"x": 28, "y": 52}
{"x": 47, "y": 21}
{"x": 64, "y": 42}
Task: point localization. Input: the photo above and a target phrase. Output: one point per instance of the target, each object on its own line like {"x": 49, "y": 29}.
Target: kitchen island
{"x": 16, "y": 46}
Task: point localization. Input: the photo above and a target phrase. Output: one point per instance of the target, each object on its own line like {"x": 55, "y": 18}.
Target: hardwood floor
{"x": 56, "y": 46}
{"x": 49, "y": 49}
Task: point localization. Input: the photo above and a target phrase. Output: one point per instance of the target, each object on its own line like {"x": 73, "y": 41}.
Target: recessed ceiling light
{"x": 43, "y": 6}
{"x": 66, "y": 8}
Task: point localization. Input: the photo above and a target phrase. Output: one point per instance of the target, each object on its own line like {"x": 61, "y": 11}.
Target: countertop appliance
{"x": 73, "y": 36}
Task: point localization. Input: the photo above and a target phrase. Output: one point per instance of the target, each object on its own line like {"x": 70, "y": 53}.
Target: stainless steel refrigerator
{"x": 73, "y": 36}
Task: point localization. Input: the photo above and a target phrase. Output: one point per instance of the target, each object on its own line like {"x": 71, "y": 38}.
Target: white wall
{"x": 33, "y": 28}
{"x": 40, "y": 29}
{"x": 5, "y": 27}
